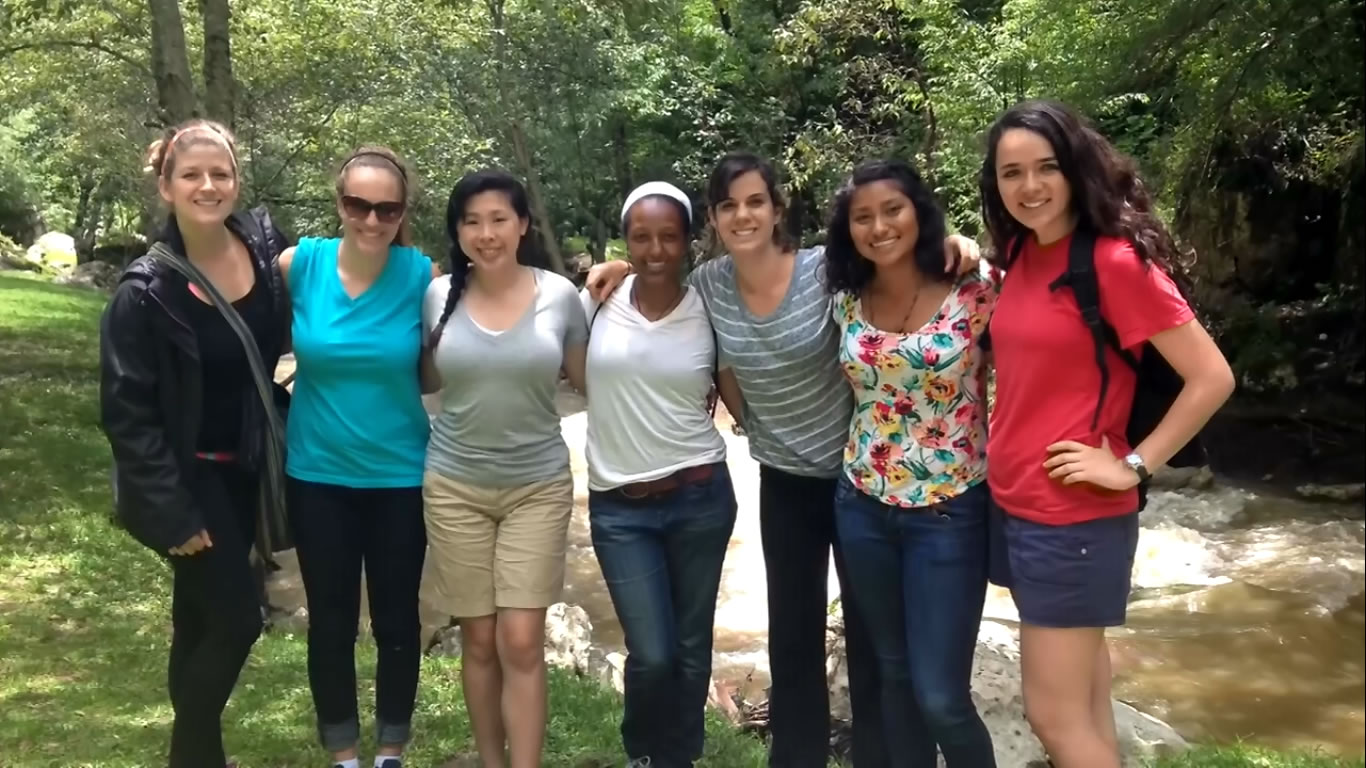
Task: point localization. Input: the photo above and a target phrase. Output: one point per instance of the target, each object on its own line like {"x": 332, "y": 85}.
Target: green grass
{"x": 1253, "y": 757}
{"x": 85, "y": 609}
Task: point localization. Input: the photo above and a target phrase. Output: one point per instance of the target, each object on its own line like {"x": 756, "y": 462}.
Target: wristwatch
{"x": 1135, "y": 462}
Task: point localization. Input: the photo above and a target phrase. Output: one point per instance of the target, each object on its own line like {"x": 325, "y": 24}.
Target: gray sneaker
{"x": 639, "y": 762}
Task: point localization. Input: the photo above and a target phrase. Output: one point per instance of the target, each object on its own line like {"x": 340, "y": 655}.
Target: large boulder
{"x": 55, "y": 251}
{"x": 996, "y": 692}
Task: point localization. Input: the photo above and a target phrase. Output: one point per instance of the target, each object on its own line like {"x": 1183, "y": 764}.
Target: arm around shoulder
{"x": 604, "y": 278}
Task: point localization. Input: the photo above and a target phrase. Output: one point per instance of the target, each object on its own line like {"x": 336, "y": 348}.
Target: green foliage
{"x": 1225, "y": 106}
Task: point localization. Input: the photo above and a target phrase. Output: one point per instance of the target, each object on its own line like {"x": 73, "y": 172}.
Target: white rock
{"x": 54, "y": 250}
{"x": 568, "y": 637}
{"x": 996, "y": 693}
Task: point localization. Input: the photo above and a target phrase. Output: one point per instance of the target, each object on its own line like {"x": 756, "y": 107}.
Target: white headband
{"x": 656, "y": 188}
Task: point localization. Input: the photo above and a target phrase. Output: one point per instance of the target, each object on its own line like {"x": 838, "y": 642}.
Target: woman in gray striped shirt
{"x": 777, "y": 347}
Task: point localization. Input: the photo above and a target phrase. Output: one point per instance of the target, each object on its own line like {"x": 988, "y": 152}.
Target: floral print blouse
{"x": 919, "y": 431}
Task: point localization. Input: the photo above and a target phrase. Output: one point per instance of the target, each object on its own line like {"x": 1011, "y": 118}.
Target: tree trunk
{"x": 539, "y": 213}
{"x": 87, "y": 220}
{"x": 170, "y": 62}
{"x": 597, "y": 247}
{"x": 621, "y": 153}
{"x": 220, "y": 90}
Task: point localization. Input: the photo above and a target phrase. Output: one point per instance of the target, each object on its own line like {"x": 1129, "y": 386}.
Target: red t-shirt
{"x": 1047, "y": 380}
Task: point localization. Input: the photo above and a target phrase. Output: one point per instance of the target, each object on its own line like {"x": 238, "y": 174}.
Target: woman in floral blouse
{"x": 912, "y": 506}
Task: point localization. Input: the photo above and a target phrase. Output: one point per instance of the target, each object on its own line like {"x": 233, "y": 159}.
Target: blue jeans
{"x": 661, "y": 558}
{"x": 921, "y": 574}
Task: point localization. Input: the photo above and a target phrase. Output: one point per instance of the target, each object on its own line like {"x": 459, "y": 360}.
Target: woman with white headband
{"x": 661, "y": 504}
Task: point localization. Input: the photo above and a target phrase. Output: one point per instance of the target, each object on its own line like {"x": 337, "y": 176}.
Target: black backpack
{"x": 1158, "y": 383}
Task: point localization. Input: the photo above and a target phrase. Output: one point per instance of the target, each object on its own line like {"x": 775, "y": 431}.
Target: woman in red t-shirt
{"x": 1060, "y": 467}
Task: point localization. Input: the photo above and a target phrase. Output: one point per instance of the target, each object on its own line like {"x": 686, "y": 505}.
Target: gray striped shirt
{"x": 797, "y": 404}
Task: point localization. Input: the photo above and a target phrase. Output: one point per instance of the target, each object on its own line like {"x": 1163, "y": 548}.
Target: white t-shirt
{"x": 647, "y": 391}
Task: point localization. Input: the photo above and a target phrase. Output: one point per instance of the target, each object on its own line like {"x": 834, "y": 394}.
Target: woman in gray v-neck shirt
{"x": 498, "y": 492}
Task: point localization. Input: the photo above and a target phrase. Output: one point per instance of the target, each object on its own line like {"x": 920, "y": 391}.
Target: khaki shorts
{"x": 491, "y": 548}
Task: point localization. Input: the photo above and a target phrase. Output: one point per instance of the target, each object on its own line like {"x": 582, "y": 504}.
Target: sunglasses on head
{"x": 359, "y": 208}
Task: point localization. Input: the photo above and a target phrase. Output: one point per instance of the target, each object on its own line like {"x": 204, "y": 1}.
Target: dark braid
{"x": 460, "y": 273}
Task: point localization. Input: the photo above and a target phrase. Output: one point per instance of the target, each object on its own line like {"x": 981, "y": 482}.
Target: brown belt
{"x": 668, "y": 483}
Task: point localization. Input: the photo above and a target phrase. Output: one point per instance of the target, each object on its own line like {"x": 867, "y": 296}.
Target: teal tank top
{"x": 356, "y": 418}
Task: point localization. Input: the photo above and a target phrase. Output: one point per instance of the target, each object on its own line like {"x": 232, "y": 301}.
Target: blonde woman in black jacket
{"x": 186, "y": 424}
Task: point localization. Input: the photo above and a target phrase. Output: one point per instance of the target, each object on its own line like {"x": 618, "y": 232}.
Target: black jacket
{"x": 151, "y": 386}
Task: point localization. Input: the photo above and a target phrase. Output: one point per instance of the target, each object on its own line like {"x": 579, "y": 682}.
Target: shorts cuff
{"x": 529, "y": 600}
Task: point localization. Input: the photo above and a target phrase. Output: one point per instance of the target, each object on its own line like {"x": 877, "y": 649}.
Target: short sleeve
{"x": 590, "y": 307}
{"x": 433, "y": 301}
{"x": 301, "y": 268}
{"x": 422, "y": 265}
{"x": 575, "y": 319}
{"x": 1138, "y": 299}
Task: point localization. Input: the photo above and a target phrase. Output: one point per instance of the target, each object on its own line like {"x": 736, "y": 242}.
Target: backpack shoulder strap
{"x": 1081, "y": 278}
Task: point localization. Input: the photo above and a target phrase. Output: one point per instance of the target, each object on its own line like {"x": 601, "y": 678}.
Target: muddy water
{"x": 1247, "y": 620}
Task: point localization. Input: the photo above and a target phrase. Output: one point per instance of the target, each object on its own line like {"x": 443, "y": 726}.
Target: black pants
{"x": 797, "y": 527}
{"x": 215, "y": 615}
{"x": 336, "y": 531}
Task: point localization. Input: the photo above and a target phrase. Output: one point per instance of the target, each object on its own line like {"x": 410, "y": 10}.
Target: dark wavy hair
{"x": 1108, "y": 196}
{"x": 732, "y": 166}
{"x": 845, "y": 269}
{"x": 529, "y": 252}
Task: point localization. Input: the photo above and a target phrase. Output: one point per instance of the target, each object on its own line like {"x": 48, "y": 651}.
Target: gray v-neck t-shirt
{"x": 797, "y": 402}
{"x": 498, "y": 426}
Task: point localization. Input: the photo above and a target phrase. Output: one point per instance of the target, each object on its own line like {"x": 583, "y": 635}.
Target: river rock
{"x": 55, "y": 251}
{"x": 608, "y": 668}
{"x": 1174, "y": 478}
{"x": 568, "y": 637}
{"x": 1339, "y": 492}
{"x": 837, "y": 668}
{"x": 996, "y": 692}
{"x": 100, "y": 275}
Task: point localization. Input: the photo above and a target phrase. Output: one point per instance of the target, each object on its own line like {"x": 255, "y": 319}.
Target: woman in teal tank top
{"x": 357, "y": 441}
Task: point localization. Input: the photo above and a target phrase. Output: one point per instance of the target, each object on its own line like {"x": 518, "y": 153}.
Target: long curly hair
{"x": 845, "y": 269}
{"x": 1108, "y": 196}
